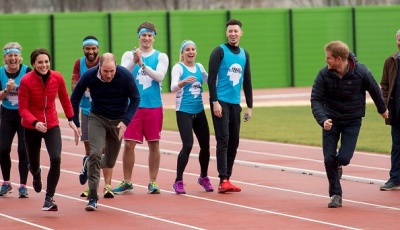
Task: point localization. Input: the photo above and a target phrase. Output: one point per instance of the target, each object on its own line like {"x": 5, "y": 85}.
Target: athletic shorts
{"x": 147, "y": 123}
{"x": 84, "y": 127}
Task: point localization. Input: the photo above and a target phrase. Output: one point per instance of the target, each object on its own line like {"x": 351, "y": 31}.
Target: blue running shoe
{"x": 92, "y": 205}
{"x": 23, "y": 191}
{"x": 123, "y": 188}
{"x": 83, "y": 175}
{"x": 153, "y": 188}
{"x": 5, "y": 188}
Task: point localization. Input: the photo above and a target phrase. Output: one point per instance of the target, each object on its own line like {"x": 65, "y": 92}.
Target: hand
{"x": 190, "y": 79}
{"x": 217, "y": 109}
{"x": 328, "y": 124}
{"x": 385, "y": 115}
{"x": 41, "y": 127}
{"x": 247, "y": 115}
{"x": 137, "y": 56}
{"x": 10, "y": 85}
{"x": 77, "y": 131}
{"x": 122, "y": 128}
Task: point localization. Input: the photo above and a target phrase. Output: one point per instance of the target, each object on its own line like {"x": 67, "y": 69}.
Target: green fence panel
{"x": 31, "y": 31}
{"x": 205, "y": 28}
{"x": 69, "y": 31}
{"x": 124, "y": 33}
{"x": 376, "y": 35}
{"x": 312, "y": 30}
{"x": 266, "y": 37}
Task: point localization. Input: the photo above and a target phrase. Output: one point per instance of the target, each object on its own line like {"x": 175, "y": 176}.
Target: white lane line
{"x": 100, "y": 205}
{"x": 289, "y": 157}
{"x": 281, "y": 144}
{"x": 24, "y": 221}
{"x": 134, "y": 213}
{"x": 279, "y": 167}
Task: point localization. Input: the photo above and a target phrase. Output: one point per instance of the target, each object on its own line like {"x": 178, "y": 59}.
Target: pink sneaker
{"x": 205, "y": 183}
{"x": 178, "y": 187}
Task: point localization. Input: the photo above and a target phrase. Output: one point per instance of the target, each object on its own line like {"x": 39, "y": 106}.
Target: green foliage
{"x": 296, "y": 125}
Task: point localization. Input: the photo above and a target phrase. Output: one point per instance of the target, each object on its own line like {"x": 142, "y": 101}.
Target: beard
{"x": 91, "y": 57}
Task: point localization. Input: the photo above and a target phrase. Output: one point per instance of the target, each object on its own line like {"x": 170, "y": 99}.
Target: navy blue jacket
{"x": 344, "y": 98}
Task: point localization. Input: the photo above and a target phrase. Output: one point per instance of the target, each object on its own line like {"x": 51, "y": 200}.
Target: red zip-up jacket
{"x": 37, "y": 100}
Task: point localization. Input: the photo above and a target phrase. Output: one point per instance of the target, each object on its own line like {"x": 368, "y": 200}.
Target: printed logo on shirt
{"x": 12, "y": 96}
{"x": 144, "y": 79}
{"x": 195, "y": 89}
{"x": 234, "y": 73}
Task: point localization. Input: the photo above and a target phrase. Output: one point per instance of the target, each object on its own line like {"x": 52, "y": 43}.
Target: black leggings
{"x": 52, "y": 139}
{"x": 197, "y": 122}
{"x": 11, "y": 124}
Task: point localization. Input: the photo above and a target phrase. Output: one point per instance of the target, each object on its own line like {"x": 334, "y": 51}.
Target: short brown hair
{"x": 147, "y": 25}
{"x": 338, "y": 49}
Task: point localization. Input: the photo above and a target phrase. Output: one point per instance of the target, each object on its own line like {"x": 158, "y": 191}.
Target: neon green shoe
{"x": 153, "y": 188}
{"x": 85, "y": 193}
{"x": 108, "y": 193}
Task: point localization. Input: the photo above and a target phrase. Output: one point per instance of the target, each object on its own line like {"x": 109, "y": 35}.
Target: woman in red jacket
{"x": 37, "y": 95}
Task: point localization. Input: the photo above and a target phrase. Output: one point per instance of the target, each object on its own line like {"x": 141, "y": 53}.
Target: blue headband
{"x": 188, "y": 42}
{"x": 12, "y": 50}
{"x": 145, "y": 30}
{"x": 90, "y": 42}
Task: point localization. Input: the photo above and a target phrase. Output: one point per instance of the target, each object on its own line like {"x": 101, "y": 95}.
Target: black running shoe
{"x": 83, "y": 175}
{"x": 49, "y": 205}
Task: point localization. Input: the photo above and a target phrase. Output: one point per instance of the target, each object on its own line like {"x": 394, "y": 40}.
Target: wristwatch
{"x": 5, "y": 90}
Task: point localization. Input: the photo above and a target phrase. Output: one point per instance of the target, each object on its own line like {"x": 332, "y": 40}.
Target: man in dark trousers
{"x": 115, "y": 99}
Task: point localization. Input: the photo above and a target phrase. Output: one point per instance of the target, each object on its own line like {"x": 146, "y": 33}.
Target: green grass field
{"x": 296, "y": 125}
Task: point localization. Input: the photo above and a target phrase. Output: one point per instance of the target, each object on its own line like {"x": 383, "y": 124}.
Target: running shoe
{"x": 336, "y": 201}
{"x": 23, "y": 191}
{"x": 234, "y": 188}
{"x": 153, "y": 188}
{"x": 49, "y": 204}
{"x": 389, "y": 186}
{"x": 224, "y": 186}
{"x": 6, "y": 188}
{"x": 85, "y": 193}
{"x": 178, "y": 187}
{"x": 123, "y": 188}
{"x": 92, "y": 205}
{"x": 205, "y": 183}
{"x": 83, "y": 174}
{"x": 108, "y": 193}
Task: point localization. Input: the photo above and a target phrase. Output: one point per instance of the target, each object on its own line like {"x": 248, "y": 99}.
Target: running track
{"x": 283, "y": 187}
